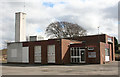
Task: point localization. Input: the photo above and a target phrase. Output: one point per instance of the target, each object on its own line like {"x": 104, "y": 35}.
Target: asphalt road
{"x": 72, "y": 69}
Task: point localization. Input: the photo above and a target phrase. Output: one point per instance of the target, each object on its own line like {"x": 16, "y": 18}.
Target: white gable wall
{"x": 17, "y": 53}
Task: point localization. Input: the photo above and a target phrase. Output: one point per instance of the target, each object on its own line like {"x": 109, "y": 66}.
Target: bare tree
{"x": 64, "y": 29}
{"x": 4, "y": 44}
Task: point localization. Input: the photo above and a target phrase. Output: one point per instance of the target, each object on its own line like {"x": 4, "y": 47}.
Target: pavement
{"x": 71, "y": 69}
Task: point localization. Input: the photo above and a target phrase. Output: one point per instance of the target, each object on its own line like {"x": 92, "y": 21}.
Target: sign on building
{"x": 109, "y": 39}
{"x": 91, "y": 54}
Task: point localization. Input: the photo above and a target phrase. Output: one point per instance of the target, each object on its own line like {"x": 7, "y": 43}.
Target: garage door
{"x": 51, "y": 53}
{"x": 37, "y": 54}
{"x": 25, "y": 54}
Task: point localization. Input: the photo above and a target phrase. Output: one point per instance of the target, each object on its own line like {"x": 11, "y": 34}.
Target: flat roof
{"x": 19, "y": 13}
{"x": 41, "y": 40}
{"x": 61, "y": 38}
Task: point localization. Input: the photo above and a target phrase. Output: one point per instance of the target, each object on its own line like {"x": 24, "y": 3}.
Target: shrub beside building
{"x": 117, "y": 54}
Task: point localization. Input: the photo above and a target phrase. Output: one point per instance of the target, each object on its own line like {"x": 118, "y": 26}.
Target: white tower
{"x": 20, "y": 27}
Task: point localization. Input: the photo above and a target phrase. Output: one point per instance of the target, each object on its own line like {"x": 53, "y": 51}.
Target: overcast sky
{"x": 87, "y": 13}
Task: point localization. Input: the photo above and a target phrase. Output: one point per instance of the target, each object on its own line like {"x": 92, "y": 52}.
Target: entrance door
{"x": 51, "y": 53}
{"x": 82, "y": 55}
{"x": 77, "y": 55}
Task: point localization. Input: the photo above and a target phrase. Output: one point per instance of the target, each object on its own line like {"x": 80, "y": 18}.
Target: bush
{"x": 117, "y": 57}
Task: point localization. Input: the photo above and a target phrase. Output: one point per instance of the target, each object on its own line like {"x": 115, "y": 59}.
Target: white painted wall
{"x": 20, "y": 27}
{"x": 17, "y": 53}
{"x": 51, "y": 53}
{"x": 37, "y": 54}
{"x": 14, "y": 47}
{"x": 36, "y": 38}
{"x": 14, "y": 53}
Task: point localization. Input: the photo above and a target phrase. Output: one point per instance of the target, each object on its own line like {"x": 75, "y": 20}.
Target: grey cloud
{"x": 8, "y": 32}
{"x": 40, "y": 17}
{"x": 111, "y": 12}
{"x": 14, "y": 4}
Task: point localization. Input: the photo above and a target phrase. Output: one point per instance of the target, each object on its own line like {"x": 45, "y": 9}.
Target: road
{"x": 72, "y": 69}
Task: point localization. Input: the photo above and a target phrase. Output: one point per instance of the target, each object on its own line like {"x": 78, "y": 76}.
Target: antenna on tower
{"x": 98, "y": 29}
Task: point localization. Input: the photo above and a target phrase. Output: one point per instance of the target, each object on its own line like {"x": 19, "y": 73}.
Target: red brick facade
{"x": 62, "y": 48}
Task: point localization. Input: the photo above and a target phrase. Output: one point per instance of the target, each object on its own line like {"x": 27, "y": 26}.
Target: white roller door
{"x": 25, "y": 54}
{"x": 37, "y": 54}
{"x": 51, "y": 53}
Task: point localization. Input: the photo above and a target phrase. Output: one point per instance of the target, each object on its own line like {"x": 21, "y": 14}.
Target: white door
{"x": 107, "y": 58}
{"x": 51, "y": 53}
{"x": 37, "y": 54}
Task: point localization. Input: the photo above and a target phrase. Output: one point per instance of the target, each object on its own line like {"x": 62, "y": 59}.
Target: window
{"x": 107, "y": 52}
{"x": 78, "y": 52}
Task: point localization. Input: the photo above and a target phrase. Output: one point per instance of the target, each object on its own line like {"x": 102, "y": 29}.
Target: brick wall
{"x": 97, "y": 39}
{"x": 102, "y": 53}
{"x": 62, "y": 54}
{"x": 44, "y": 45}
{"x": 90, "y": 39}
{"x": 96, "y": 49}
{"x": 65, "y": 47}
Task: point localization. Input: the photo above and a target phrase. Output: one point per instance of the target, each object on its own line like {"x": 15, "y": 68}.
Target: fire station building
{"x": 93, "y": 49}
{"x": 97, "y": 49}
